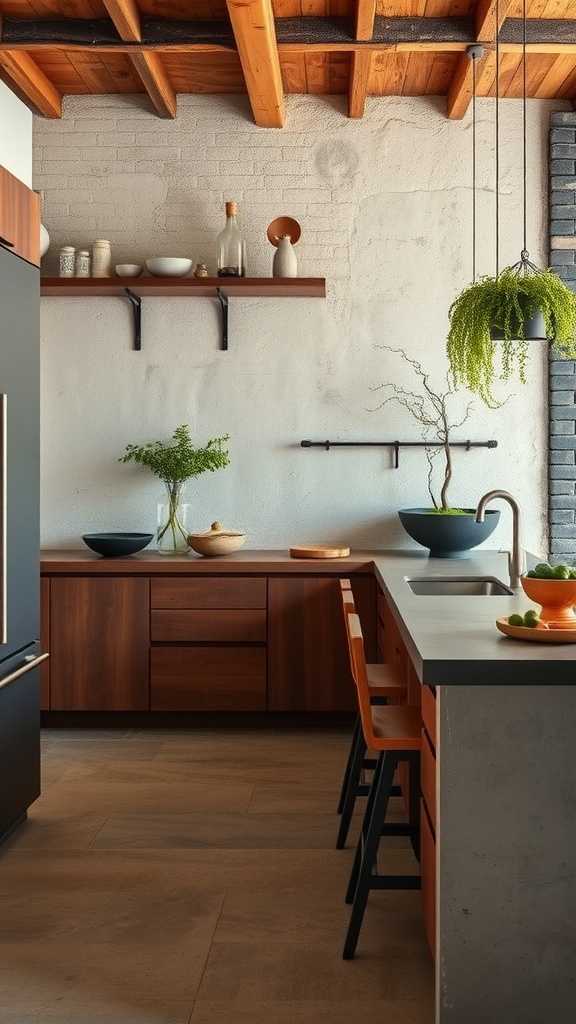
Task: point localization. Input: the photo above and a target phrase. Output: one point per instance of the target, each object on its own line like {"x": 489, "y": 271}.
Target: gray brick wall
{"x": 562, "y": 379}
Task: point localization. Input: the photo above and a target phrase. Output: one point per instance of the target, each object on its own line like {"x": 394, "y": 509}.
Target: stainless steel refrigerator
{"x": 20, "y": 654}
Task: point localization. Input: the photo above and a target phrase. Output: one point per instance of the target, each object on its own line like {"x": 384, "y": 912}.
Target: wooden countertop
{"x": 147, "y": 563}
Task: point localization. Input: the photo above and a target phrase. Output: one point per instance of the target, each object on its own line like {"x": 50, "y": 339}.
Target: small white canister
{"x": 82, "y": 264}
{"x": 66, "y": 261}
{"x": 101, "y": 258}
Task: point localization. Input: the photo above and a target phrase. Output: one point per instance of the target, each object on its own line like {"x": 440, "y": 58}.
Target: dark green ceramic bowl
{"x": 114, "y": 545}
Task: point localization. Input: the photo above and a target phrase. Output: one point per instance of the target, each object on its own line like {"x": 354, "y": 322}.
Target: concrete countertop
{"x": 452, "y": 640}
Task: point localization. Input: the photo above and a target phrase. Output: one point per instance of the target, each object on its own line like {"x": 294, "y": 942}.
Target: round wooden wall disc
{"x": 281, "y": 227}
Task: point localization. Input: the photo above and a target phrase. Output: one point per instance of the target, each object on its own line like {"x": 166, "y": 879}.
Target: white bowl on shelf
{"x": 169, "y": 266}
{"x": 128, "y": 269}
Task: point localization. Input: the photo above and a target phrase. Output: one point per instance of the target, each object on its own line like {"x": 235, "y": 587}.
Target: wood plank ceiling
{"x": 359, "y": 48}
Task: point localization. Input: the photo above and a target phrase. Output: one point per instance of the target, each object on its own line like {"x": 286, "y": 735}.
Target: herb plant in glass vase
{"x": 175, "y": 462}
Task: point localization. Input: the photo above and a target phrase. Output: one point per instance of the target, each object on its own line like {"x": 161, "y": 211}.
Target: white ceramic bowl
{"x": 128, "y": 269}
{"x": 169, "y": 266}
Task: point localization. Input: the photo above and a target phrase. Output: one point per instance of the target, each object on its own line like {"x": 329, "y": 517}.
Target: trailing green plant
{"x": 502, "y": 305}
{"x": 175, "y": 462}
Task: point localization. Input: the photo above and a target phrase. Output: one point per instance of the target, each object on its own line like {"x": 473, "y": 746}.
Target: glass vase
{"x": 172, "y": 532}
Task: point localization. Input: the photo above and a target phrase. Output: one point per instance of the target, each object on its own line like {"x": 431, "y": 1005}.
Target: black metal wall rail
{"x": 396, "y": 445}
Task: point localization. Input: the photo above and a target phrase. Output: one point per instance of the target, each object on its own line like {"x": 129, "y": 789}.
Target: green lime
{"x": 531, "y": 574}
{"x": 531, "y": 618}
{"x": 543, "y": 571}
{"x": 515, "y": 620}
{"x": 561, "y": 572}
{"x": 573, "y": 574}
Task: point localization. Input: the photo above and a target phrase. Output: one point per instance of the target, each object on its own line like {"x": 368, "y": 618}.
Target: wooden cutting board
{"x": 319, "y": 551}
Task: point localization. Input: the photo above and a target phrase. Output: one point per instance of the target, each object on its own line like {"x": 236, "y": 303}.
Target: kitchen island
{"x": 258, "y": 631}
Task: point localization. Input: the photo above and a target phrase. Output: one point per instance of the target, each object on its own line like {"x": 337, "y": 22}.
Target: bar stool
{"x": 393, "y": 731}
{"x": 383, "y": 687}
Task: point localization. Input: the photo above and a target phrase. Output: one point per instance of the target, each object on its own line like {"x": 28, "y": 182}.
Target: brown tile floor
{"x": 191, "y": 878}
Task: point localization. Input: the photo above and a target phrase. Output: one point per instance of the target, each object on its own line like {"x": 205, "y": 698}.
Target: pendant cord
{"x": 474, "y": 168}
{"x": 497, "y": 139}
{"x": 524, "y": 151}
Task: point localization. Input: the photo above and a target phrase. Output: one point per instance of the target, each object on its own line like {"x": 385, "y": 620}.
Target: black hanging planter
{"x": 533, "y": 329}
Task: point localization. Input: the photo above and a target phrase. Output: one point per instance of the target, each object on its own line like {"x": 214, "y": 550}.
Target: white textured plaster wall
{"x": 385, "y": 210}
{"x": 15, "y": 135}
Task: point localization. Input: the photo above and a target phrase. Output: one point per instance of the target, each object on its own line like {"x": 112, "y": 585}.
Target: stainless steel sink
{"x": 458, "y": 586}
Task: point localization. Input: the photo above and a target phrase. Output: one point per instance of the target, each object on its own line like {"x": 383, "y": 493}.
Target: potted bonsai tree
{"x": 176, "y": 462}
{"x": 522, "y": 304}
{"x": 447, "y": 530}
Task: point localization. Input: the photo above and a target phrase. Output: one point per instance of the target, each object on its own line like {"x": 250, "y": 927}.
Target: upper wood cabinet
{"x": 19, "y": 218}
{"x": 307, "y": 660}
{"x": 99, "y": 637}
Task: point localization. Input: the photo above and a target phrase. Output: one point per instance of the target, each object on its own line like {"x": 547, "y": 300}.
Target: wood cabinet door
{"x": 45, "y": 642}
{"x": 208, "y": 678}
{"x": 308, "y": 666}
{"x": 19, "y": 218}
{"x": 99, "y": 630}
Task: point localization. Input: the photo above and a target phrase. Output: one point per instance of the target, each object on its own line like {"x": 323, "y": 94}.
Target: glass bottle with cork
{"x": 231, "y": 246}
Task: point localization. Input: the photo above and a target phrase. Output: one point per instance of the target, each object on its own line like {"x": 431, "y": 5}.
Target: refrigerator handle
{"x": 32, "y": 661}
{"x": 3, "y": 518}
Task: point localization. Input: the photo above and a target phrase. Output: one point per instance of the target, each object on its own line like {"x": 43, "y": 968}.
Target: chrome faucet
{"x": 516, "y": 558}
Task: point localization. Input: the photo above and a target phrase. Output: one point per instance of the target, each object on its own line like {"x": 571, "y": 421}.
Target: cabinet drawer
{"x": 429, "y": 713}
{"x": 428, "y": 778}
{"x": 428, "y": 873}
{"x": 215, "y": 592}
{"x": 235, "y": 625}
{"x": 208, "y": 679}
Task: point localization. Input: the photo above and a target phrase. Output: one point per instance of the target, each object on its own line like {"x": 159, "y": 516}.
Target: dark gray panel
{"x": 19, "y": 381}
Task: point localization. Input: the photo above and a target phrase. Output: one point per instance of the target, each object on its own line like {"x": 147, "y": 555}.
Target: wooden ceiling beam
{"x": 126, "y": 18}
{"x": 255, "y": 35}
{"x": 148, "y": 66}
{"x": 21, "y": 70}
{"x": 361, "y": 60}
{"x": 462, "y": 84}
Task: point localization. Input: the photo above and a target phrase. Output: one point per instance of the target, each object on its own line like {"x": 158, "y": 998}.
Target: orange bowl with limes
{"x": 557, "y": 598}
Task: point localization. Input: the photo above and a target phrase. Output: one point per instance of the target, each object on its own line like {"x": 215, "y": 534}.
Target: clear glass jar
{"x": 231, "y": 246}
{"x": 172, "y": 531}
{"x": 66, "y": 261}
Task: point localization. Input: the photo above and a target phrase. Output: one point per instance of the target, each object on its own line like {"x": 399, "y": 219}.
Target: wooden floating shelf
{"x": 134, "y": 289}
{"x": 265, "y": 287}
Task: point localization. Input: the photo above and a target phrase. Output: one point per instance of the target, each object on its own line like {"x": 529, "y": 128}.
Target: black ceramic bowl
{"x": 448, "y": 536}
{"x": 114, "y": 545}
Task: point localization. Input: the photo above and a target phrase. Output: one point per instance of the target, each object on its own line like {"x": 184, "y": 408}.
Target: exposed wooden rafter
{"x": 255, "y": 35}
{"x": 461, "y": 87}
{"x": 152, "y": 73}
{"x": 361, "y": 60}
{"x": 30, "y": 82}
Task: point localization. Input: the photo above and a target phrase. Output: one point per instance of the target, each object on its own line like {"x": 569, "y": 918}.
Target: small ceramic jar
{"x": 66, "y": 261}
{"x": 201, "y": 270}
{"x": 101, "y": 258}
{"x": 82, "y": 263}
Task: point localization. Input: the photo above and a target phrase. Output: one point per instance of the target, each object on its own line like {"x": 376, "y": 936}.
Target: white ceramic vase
{"x": 44, "y": 241}
{"x": 285, "y": 262}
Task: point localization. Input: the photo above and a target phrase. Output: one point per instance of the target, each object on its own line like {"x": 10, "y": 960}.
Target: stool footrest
{"x": 399, "y": 828}
{"x": 395, "y": 882}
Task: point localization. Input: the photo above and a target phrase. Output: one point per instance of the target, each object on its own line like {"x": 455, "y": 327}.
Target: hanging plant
{"x": 502, "y": 308}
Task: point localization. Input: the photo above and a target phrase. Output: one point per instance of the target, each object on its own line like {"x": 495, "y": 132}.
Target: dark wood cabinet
{"x": 19, "y": 218}
{"x": 99, "y": 639}
{"x": 45, "y": 642}
{"x": 307, "y": 660}
{"x": 208, "y": 678}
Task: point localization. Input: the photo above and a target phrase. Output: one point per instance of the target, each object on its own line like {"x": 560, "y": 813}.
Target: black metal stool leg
{"x": 355, "y": 736}
{"x": 352, "y": 789}
{"x": 364, "y": 831}
{"x": 383, "y": 786}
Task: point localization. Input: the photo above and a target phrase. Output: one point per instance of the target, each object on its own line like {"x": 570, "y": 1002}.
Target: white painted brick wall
{"x": 384, "y": 205}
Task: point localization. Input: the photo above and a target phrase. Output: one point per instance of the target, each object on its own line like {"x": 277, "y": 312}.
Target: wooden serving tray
{"x": 320, "y": 551}
{"x": 539, "y": 636}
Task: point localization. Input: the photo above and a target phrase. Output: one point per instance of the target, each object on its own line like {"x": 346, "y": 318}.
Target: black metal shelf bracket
{"x": 396, "y": 445}
{"x": 136, "y": 303}
{"x": 223, "y": 300}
